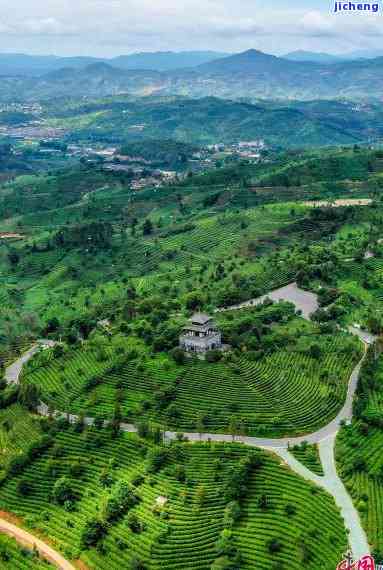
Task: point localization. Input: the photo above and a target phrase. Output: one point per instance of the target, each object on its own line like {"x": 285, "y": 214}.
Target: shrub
{"x": 155, "y": 459}
{"x": 121, "y": 500}
{"x": 24, "y": 487}
{"x": 137, "y": 564}
{"x": 232, "y": 513}
{"x": 213, "y": 356}
{"x": 62, "y": 491}
{"x": 134, "y": 523}
{"x": 93, "y": 531}
{"x": 290, "y": 510}
{"x": 274, "y": 546}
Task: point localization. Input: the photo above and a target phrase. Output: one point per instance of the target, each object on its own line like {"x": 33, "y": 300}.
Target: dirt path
{"x": 26, "y": 539}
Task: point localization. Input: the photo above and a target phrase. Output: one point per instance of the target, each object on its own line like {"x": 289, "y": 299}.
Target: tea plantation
{"x": 359, "y": 452}
{"x": 112, "y": 275}
{"x": 199, "y": 502}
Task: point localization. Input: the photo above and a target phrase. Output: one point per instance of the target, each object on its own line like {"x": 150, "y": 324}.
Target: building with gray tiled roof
{"x": 200, "y": 335}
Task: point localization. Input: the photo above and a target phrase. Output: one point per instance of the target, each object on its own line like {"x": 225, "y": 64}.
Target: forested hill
{"x": 91, "y": 229}
{"x": 211, "y": 120}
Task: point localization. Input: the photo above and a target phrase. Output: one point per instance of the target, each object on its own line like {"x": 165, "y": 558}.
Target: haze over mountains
{"x": 250, "y": 74}
{"x": 328, "y": 58}
{"x": 34, "y": 65}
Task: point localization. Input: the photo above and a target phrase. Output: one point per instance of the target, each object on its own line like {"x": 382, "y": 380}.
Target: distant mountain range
{"x": 251, "y": 74}
{"x": 35, "y": 65}
{"x": 328, "y": 58}
{"x": 316, "y": 57}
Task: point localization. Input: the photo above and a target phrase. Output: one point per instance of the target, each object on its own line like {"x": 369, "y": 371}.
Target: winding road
{"x": 324, "y": 438}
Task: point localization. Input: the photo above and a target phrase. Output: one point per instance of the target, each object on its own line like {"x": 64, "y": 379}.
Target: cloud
{"x": 109, "y": 27}
{"x": 44, "y": 26}
{"x": 316, "y": 23}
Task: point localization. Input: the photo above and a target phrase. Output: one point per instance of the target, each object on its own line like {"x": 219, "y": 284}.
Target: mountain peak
{"x": 249, "y": 61}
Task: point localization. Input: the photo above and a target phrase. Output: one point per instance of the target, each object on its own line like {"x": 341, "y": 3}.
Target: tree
{"x": 194, "y": 301}
{"x": 24, "y": 487}
{"x": 13, "y": 258}
{"x": 263, "y": 502}
{"x": 93, "y": 531}
{"x": 200, "y": 495}
{"x": 178, "y": 356}
{"x": 116, "y": 420}
{"x": 147, "y": 227}
{"x": 155, "y": 459}
{"x": 315, "y": 351}
{"x": 200, "y": 424}
{"x": 134, "y": 523}
{"x": 233, "y": 427}
{"x": 274, "y": 545}
{"x": 120, "y": 501}
{"x": 52, "y": 325}
{"x": 62, "y": 491}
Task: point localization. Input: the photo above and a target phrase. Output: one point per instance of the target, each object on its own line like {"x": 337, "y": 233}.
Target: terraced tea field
{"x": 18, "y": 431}
{"x": 359, "y": 457}
{"x": 15, "y": 557}
{"x": 181, "y": 516}
{"x": 285, "y": 393}
{"x": 308, "y": 455}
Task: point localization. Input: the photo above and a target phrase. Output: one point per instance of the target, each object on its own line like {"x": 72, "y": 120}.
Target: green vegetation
{"x": 112, "y": 275}
{"x": 309, "y": 456}
{"x": 259, "y": 390}
{"x": 200, "y": 502}
{"x": 14, "y": 557}
{"x": 160, "y": 152}
{"x": 359, "y": 450}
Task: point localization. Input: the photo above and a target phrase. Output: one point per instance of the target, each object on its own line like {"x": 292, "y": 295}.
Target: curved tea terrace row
{"x": 324, "y": 437}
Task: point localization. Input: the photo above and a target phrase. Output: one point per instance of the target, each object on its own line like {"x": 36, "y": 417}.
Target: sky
{"x": 113, "y": 27}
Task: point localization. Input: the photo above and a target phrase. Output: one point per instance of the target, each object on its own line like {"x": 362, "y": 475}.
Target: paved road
{"x": 325, "y": 438}
{"x": 304, "y": 301}
{"x": 26, "y": 539}
{"x": 13, "y": 371}
{"x": 332, "y": 483}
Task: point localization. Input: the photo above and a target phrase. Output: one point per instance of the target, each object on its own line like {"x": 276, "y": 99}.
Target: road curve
{"x": 345, "y": 415}
{"x": 26, "y": 539}
{"x": 325, "y": 438}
